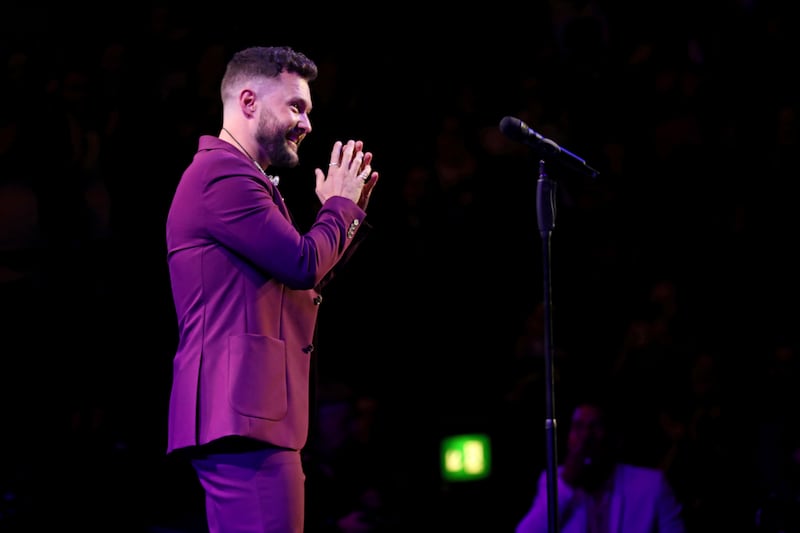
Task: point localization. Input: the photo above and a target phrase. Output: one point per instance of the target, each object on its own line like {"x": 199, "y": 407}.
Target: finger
{"x": 357, "y": 165}
{"x": 366, "y": 191}
{"x": 320, "y": 177}
{"x": 336, "y": 154}
{"x": 356, "y": 159}
{"x": 348, "y": 152}
{"x": 365, "y": 173}
{"x": 371, "y": 181}
{"x": 367, "y": 159}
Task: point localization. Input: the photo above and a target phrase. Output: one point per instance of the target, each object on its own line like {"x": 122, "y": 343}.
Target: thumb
{"x": 320, "y": 182}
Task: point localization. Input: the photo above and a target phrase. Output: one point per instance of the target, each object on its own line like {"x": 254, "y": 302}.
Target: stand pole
{"x": 546, "y": 209}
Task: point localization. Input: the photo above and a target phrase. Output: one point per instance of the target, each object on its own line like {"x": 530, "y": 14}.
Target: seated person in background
{"x": 597, "y": 492}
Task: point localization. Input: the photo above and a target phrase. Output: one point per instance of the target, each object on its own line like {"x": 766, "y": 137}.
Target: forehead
{"x": 287, "y": 87}
{"x": 587, "y": 414}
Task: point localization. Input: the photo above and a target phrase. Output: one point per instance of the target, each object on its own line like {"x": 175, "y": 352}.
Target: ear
{"x": 247, "y": 102}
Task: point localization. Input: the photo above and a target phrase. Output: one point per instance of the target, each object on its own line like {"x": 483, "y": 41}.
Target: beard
{"x": 271, "y": 137}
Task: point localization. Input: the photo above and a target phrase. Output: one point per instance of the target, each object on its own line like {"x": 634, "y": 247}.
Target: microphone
{"x": 517, "y": 130}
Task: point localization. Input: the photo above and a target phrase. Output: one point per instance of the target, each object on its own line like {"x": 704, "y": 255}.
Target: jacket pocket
{"x": 257, "y": 376}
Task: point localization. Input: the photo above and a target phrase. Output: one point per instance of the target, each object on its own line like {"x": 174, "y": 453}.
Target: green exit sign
{"x": 466, "y": 457}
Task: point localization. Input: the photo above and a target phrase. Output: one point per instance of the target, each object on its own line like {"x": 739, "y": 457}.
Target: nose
{"x": 305, "y": 123}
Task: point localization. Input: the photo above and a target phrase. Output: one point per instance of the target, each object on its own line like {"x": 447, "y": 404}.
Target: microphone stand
{"x": 517, "y": 130}
{"x": 546, "y": 209}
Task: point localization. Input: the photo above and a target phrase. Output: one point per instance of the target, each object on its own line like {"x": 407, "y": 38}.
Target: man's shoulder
{"x": 211, "y": 142}
{"x": 218, "y": 147}
{"x": 644, "y": 474}
{"x": 216, "y": 157}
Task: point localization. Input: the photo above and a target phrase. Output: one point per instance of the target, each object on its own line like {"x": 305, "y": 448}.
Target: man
{"x": 247, "y": 288}
{"x": 599, "y": 494}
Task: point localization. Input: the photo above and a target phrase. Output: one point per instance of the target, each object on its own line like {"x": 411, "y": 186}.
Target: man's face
{"x": 283, "y": 120}
{"x": 588, "y": 434}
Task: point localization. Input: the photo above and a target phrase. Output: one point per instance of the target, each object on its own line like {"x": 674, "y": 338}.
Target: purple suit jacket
{"x": 641, "y": 502}
{"x": 245, "y": 285}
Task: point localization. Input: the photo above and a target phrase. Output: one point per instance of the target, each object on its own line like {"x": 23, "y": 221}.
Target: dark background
{"x": 672, "y": 274}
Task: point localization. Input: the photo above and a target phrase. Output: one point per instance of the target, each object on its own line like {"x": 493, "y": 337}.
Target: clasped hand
{"x": 349, "y": 174}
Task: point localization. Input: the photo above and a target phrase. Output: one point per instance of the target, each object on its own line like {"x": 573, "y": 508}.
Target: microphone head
{"x": 517, "y": 130}
{"x": 512, "y": 127}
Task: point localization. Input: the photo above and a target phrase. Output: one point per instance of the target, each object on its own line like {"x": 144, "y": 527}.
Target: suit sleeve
{"x": 670, "y": 512}
{"x": 359, "y": 237}
{"x": 243, "y": 217}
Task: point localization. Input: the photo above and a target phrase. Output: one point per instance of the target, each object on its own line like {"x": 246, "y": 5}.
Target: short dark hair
{"x": 600, "y": 399}
{"x": 267, "y": 62}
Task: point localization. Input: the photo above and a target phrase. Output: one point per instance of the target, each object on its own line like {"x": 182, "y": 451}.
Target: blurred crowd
{"x": 673, "y": 275}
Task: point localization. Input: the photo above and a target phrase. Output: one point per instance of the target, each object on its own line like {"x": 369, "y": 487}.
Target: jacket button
{"x": 308, "y": 349}
{"x": 317, "y": 299}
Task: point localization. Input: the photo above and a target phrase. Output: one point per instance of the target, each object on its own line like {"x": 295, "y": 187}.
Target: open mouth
{"x": 295, "y": 138}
